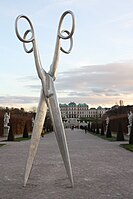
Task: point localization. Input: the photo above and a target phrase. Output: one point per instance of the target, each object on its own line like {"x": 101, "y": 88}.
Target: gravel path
{"x": 101, "y": 169}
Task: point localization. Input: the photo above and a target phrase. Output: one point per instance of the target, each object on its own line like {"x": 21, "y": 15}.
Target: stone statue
{"x": 32, "y": 120}
{"x": 130, "y": 120}
{"x": 6, "y": 122}
{"x": 6, "y": 119}
{"x": 107, "y": 120}
{"x": 107, "y": 123}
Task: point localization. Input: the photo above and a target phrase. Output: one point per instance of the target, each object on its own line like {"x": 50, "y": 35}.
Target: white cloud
{"x": 97, "y": 83}
{"x": 18, "y": 101}
{"x": 94, "y": 84}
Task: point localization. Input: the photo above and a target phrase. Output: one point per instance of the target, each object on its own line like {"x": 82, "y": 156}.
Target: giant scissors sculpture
{"x": 48, "y": 98}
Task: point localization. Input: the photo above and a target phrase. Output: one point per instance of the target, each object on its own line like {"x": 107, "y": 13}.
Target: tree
{"x": 89, "y": 126}
{"x": 25, "y": 133}
{"x": 131, "y": 135}
{"x": 102, "y": 129}
{"x": 93, "y": 127}
{"x": 34, "y": 109}
{"x": 22, "y": 109}
{"x": 85, "y": 128}
{"x": 10, "y": 135}
{"x": 97, "y": 128}
{"x": 48, "y": 124}
{"x": 120, "y": 135}
{"x": 108, "y": 134}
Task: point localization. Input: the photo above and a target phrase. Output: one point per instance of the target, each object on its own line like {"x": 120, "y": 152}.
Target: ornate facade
{"x": 73, "y": 110}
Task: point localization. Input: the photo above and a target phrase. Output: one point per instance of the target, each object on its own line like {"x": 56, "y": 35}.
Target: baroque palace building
{"x": 72, "y": 112}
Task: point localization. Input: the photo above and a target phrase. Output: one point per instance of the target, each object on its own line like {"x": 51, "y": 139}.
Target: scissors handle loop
{"x": 60, "y": 24}
{"x": 71, "y": 43}
{"x": 31, "y": 30}
{"x": 24, "y": 44}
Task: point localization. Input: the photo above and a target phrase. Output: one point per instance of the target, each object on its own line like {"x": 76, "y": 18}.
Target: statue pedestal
{"x": 6, "y": 131}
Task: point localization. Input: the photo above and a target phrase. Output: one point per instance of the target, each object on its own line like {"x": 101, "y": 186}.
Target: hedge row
{"x": 17, "y": 121}
{"x": 114, "y": 123}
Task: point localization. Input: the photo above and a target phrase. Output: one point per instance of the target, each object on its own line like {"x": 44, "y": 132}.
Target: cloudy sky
{"x": 98, "y": 71}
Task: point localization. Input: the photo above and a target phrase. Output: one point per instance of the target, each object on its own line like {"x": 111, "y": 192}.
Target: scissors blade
{"x": 60, "y": 132}
{"x": 37, "y": 129}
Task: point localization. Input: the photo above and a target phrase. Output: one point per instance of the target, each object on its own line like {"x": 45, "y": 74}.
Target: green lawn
{"x": 112, "y": 139}
{"x": 129, "y": 147}
{"x": 2, "y": 145}
{"x": 19, "y": 139}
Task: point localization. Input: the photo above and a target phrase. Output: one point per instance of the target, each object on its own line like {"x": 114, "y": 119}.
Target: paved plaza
{"x": 101, "y": 169}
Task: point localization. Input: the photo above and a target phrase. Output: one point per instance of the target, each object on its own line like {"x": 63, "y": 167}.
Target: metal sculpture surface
{"x": 48, "y": 98}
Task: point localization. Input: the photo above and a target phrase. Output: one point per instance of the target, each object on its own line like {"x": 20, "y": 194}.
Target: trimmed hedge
{"x": 18, "y": 119}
